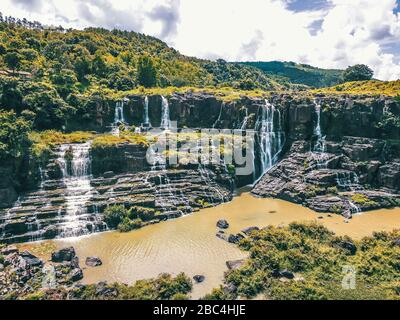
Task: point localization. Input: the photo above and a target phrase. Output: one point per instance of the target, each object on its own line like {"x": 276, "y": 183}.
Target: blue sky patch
{"x": 308, "y": 5}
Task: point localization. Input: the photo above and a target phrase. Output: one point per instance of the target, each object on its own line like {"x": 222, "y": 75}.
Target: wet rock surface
{"x": 43, "y": 214}
{"x": 93, "y": 262}
{"x": 199, "y": 278}
{"x": 223, "y": 224}
{"x": 351, "y": 176}
{"x": 358, "y": 170}
{"x": 24, "y": 275}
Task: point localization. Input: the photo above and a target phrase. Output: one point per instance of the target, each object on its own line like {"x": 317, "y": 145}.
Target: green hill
{"x": 99, "y": 57}
{"x": 299, "y": 73}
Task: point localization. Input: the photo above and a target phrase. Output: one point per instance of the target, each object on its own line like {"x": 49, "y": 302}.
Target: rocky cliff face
{"x": 333, "y": 154}
{"x": 66, "y": 205}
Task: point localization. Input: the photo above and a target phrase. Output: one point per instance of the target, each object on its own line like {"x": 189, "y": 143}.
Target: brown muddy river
{"x": 189, "y": 244}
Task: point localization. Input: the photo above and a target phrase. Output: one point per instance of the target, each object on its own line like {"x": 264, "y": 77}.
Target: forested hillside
{"x": 81, "y": 59}
{"x": 299, "y": 73}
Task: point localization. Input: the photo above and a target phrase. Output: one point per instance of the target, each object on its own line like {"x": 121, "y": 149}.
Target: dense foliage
{"x": 164, "y": 287}
{"x": 317, "y": 260}
{"x": 14, "y": 139}
{"x": 125, "y": 220}
{"x": 291, "y": 72}
{"x": 114, "y": 59}
{"x": 358, "y": 72}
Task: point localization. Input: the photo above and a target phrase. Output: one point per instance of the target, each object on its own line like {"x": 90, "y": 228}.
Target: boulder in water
{"x": 66, "y": 254}
{"x": 93, "y": 262}
{"x": 198, "y": 278}
{"x": 223, "y": 224}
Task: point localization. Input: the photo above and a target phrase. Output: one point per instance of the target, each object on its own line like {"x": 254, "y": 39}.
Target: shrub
{"x": 145, "y": 214}
{"x": 113, "y": 215}
{"x": 363, "y": 200}
{"x": 13, "y": 135}
{"x": 127, "y": 224}
{"x": 332, "y": 190}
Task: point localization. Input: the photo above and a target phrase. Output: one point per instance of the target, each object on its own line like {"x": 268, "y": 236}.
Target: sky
{"x": 323, "y": 33}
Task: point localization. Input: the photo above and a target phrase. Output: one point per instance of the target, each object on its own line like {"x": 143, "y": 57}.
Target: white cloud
{"x": 344, "y": 33}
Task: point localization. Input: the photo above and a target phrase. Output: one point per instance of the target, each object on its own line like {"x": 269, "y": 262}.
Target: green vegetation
{"x": 125, "y": 220}
{"x": 290, "y": 72}
{"x": 363, "y": 200}
{"x": 147, "y": 73}
{"x": 113, "y": 59}
{"x": 371, "y": 87}
{"x": 317, "y": 258}
{"x": 164, "y": 287}
{"x": 14, "y": 140}
{"x": 358, "y": 72}
{"x": 44, "y": 141}
{"x": 108, "y": 140}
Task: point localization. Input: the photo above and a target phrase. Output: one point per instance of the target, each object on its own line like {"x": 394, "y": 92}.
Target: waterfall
{"x": 118, "y": 117}
{"x": 348, "y": 181}
{"x": 270, "y": 136}
{"x": 75, "y": 165}
{"x": 354, "y": 208}
{"x": 320, "y": 145}
{"x": 245, "y": 120}
{"x": 219, "y": 116}
{"x": 146, "y": 119}
{"x": 165, "y": 119}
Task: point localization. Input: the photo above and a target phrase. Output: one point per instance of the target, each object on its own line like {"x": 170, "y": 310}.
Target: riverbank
{"x": 189, "y": 244}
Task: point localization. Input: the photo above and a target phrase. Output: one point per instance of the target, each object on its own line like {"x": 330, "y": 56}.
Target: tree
{"x": 13, "y": 60}
{"x": 13, "y": 135}
{"x": 358, "y": 72}
{"x": 147, "y": 74}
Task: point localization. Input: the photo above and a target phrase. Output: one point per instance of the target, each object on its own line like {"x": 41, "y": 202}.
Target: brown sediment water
{"x": 189, "y": 244}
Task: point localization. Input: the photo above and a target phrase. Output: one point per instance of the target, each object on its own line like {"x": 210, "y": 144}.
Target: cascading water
{"x": 245, "y": 120}
{"x": 354, "y": 209}
{"x": 118, "y": 116}
{"x": 75, "y": 165}
{"x": 146, "y": 120}
{"x": 270, "y": 136}
{"x": 320, "y": 145}
{"x": 165, "y": 119}
{"x": 216, "y": 123}
{"x": 348, "y": 181}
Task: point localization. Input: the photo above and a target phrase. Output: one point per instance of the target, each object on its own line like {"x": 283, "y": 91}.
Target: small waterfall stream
{"x": 165, "y": 118}
{"x": 75, "y": 165}
{"x": 146, "y": 120}
{"x": 271, "y": 136}
{"x": 217, "y": 122}
{"x": 118, "y": 117}
{"x": 245, "y": 120}
{"x": 319, "y": 148}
